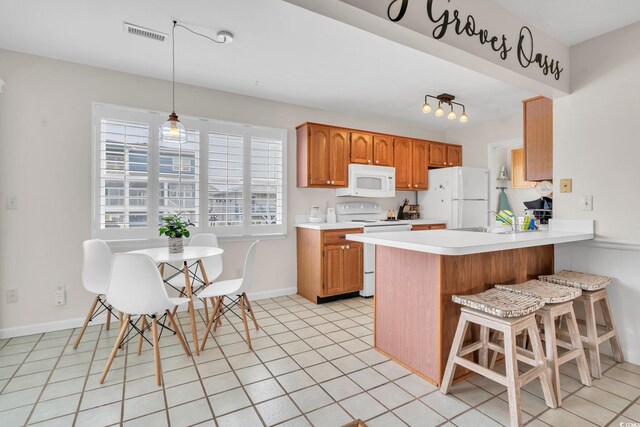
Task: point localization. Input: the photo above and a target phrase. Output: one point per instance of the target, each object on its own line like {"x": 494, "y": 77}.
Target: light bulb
{"x": 451, "y": 115}
{"x": 173, "y": 131}
{"x": 439, "y": 112}
{"x": 464, "y": 118}
{"x": 426, "y": 108}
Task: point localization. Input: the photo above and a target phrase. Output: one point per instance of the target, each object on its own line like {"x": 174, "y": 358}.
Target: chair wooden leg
{"x": 216, "y": 310}
{"x": 484, "y": 350}
{"x": 86, "y": 321}
{"x": 592, "y": 338}
{"x": 253, "y": 315}
{"x": 576, "y": 342}
{"x": 611, "y": 325}
{"x": 551, "y": 345}
{"x": 220, "y": 313}
{"x": 182, "y": 294}
{"x": 123, "y": 329}
{"x": 458, "y": 341}
{"x": 513, "y": 382}
{"x": 120, "y": 318}
{"x": 244, "y": 320}
{"x": 545, "y": 380}
{"x": 192, "y": 314}
{"x": 176, "y": 328}
{"x": 108, "y": 317}
{"x": 156, "y": 350}
{"x": 141, "y": 338}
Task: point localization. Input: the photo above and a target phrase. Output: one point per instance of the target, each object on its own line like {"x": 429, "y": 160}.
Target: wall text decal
{"x": 452, "y": 19}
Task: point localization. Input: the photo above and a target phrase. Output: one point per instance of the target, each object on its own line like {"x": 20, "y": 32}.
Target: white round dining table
{"x": 191, "y": 254}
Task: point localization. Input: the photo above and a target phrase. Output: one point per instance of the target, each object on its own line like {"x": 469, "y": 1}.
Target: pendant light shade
{"x": 173, "y": 131}
{"x": 446, "y": 99}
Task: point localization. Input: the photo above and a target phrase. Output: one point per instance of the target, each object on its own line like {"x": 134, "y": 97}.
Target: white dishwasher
{"x": 369, "y": 285}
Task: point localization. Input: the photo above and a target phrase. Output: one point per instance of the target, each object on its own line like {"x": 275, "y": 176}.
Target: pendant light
{"x": 172, "y": 130}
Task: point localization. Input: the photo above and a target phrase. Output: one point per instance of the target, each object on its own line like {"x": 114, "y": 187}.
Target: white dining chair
{"x": 136, "y": 288}
{"x": 235, "y": 291}
{"x": 96, "y": 264}
{"x": 212, "y": 266}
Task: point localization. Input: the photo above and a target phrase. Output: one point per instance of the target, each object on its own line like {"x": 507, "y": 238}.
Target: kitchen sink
{"x": 493, "y": 230}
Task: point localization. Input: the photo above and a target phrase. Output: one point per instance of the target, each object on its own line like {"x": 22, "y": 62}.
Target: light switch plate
{"x": 586, "y": 203}
{"x": 12, "y": 202}
{"x": 566, "y": 185}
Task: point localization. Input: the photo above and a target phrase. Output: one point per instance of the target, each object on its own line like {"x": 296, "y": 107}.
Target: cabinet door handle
{"x": 368, "y": 161}
{"x": 348, "y": 246}
{"x": 416, "y": 185}
{"x": 409, "y": 185}
{"x": 344, "y": 236}
{"x": 333, "y": 182}
{"x": 377, "y": 161}
{"x": 328, "y": 182}
{"x": 342, "y": 247}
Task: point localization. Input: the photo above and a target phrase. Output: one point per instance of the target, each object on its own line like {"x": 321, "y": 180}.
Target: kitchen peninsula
{"x": 418, "y": 272}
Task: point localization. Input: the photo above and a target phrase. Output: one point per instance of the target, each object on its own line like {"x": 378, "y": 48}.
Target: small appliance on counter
{"x": 407, "y": 211}
{"x": 331, "y": 215}
{"x": 314, "y": 215}
{"x": 541, "y": 209}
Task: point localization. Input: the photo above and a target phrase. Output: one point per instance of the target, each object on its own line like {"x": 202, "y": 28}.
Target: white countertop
{"x": 345, "y": 225}
{"x": 453, "y": 242}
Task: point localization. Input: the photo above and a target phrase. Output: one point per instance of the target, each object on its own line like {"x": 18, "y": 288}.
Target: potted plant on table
{"x": 175, "y": 228}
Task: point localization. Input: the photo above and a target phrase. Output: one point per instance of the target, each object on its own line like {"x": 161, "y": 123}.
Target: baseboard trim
{"x": 59, "y": 325}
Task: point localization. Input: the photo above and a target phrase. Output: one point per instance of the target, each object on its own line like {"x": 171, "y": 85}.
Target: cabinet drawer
{"x": 338, "y": 236}
{"x": 422, "y": 227}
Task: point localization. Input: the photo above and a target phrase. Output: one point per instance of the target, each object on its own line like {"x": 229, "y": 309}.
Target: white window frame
{"x": 205, "y": 127}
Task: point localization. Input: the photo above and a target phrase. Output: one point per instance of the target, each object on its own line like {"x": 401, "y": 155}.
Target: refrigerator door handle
{"x": 460, "y": 184}
{"x": 460, "y": 215}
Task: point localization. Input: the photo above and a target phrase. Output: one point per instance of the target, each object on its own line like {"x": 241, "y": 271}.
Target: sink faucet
{"x": 511, "y": 222}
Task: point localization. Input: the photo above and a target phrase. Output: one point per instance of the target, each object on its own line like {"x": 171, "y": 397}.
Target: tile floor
{"x": 311, "y": 365}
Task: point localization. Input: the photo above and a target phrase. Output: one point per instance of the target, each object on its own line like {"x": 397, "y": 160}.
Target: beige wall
{"x": 45, "y": 160}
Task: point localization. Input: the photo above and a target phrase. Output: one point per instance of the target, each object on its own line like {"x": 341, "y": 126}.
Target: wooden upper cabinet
{"x": 403, "y": 163}
{"x": 454, "y": 155}
{"x": 319, "y": 156}
{"x": 437, "y": 154}
{"x": 322, "y": 156}
{"x": 538, "y": 138}
{"x": 420, "y": 164}
{"x": 383, "y": 150}
{"x": 517, "y": 170}
{"x": 338, "y": 156}
{"x": 361, "y": 148}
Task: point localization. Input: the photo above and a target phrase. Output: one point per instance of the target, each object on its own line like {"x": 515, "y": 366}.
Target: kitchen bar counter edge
{"x": 351, "y": 225}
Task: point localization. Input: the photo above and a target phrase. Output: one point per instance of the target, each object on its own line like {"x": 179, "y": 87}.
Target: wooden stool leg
{"x": 123, "y": 329}
{"x": 253, "y": 316}
{"x": 458, "y": 341}
{"x": 86, "y": 321}
{"x": 592, "y": 337}
{"x": 176, "y": 328}
{"x": 545, "y": 380}
{"x": 484, "y": 351}
{"x": 513, "y": 381}
{"x": 608, "y": 320}
{"x": 244, "y": 320}
{"x": 156, "y": 350}
{"x": 576, "y": 342}
{"x": 551, "y": 352}
{"x": 495, "y": 339}
{"x": 141, "y": 338}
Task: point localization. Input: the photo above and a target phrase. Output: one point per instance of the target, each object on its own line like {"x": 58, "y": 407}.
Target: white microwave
{"x": 370, "y": 181}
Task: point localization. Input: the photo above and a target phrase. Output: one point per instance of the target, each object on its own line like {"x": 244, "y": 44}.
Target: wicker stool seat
{"x": 558, "y": 305}
{"x": 584, "y": 281}
{"x": 548, "y": 292}
{"x": 500, "y": 303}
{"x": 508, "y": 314}
{"x": 594, "y": 293}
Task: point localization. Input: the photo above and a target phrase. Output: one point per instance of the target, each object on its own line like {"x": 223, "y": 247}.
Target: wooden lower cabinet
{"x": 423, "y": 227}
{"x": 328, "y": 264}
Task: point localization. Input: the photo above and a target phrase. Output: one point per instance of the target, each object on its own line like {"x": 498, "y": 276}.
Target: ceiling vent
{"x": 137, "y": 30}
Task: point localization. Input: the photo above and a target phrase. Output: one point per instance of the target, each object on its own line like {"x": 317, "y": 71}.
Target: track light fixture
{"x": 446, "y": 99}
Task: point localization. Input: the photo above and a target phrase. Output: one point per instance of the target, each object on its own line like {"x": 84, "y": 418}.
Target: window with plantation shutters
{"x": 227, "y": 178}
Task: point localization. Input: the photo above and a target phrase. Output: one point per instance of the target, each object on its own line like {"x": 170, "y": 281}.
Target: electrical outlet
{"x": 12, "y": 202}
{"x": 12, "y": 296}
{"x": 586, "y": 203}
{"x": 566, "y": 185}
{"x": 60, "y": 295}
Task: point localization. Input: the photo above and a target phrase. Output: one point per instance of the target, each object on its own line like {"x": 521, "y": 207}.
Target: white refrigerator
{"x": 459, "y": 195}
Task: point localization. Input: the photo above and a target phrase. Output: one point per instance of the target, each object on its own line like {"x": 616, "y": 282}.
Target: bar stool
{"x": 510, "y": 314}
{"x": 558, "y": 301}
{"x": 593, "y": 291}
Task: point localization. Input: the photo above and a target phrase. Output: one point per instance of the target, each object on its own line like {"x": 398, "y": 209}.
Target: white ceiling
{"x": 280, "y": 52}
{"x": 574, "y": 21}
